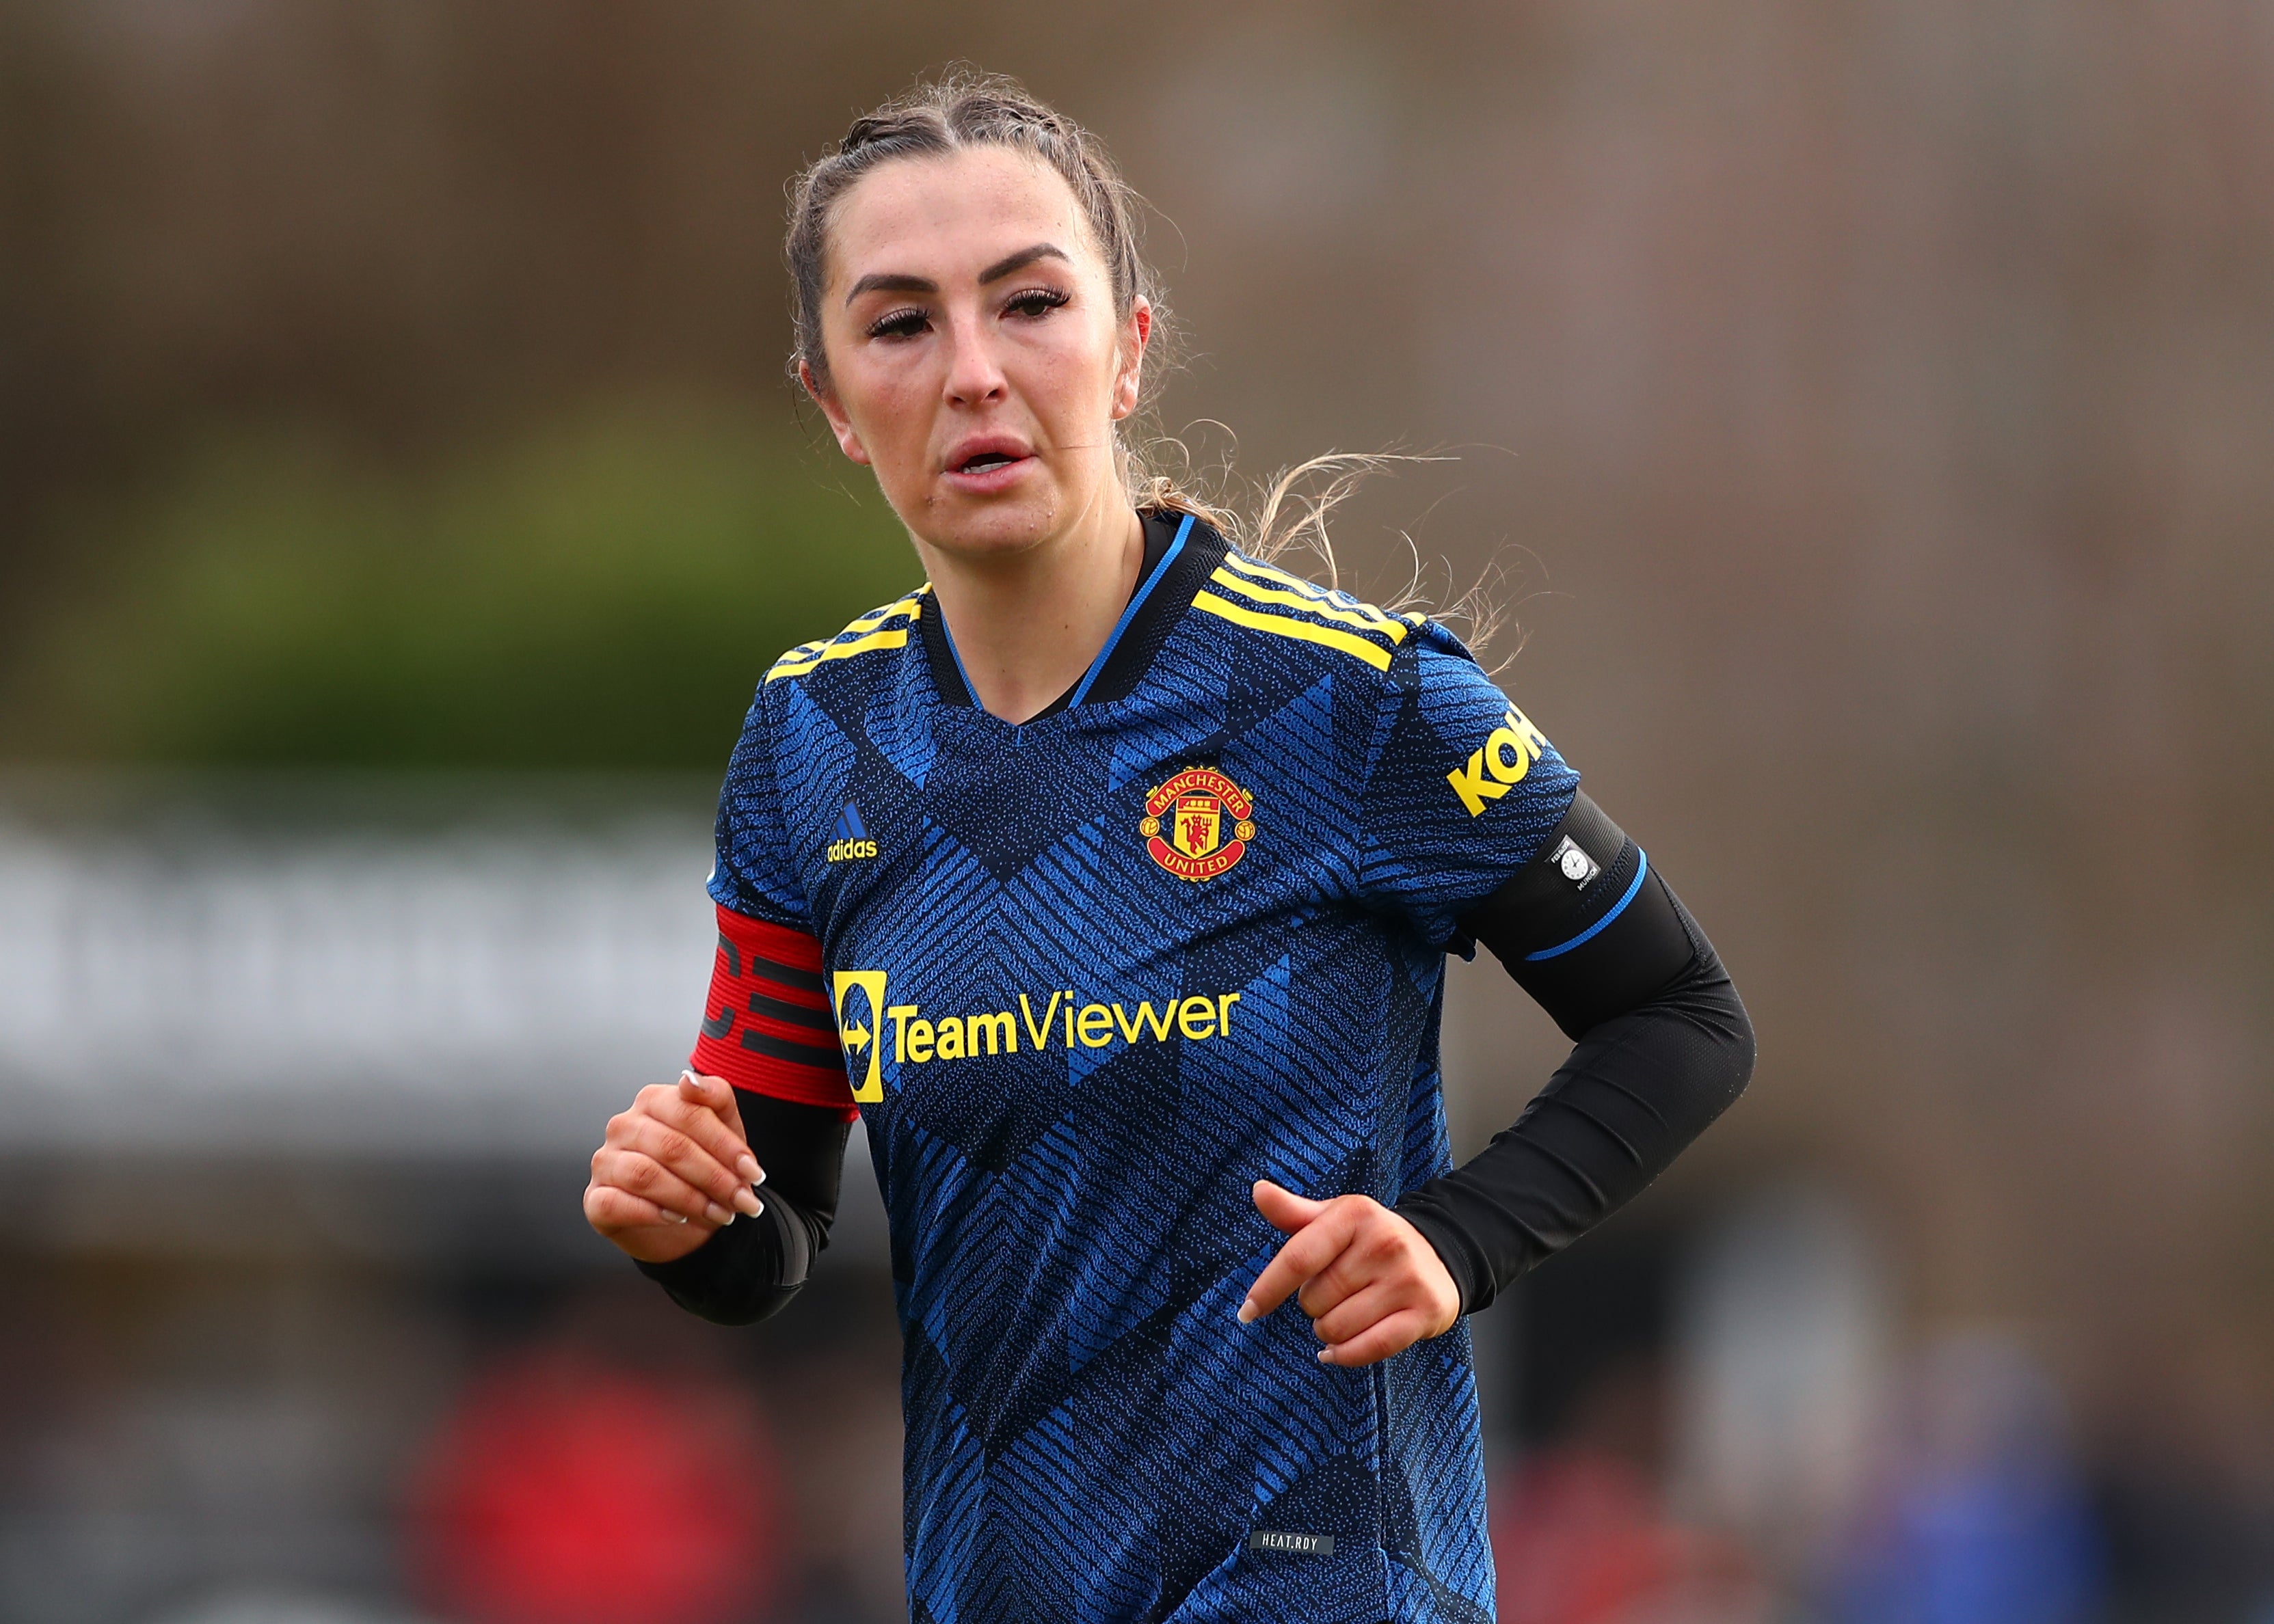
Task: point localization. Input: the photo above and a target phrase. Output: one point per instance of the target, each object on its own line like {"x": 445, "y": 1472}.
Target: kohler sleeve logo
{"x": 1292, "y": 1545}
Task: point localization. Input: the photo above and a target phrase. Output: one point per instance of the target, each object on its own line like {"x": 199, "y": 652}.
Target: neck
{"x": 1028, "y": 624}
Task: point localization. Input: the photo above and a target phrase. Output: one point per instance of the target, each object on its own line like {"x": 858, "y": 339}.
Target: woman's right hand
{"x": 673, "y": 1169}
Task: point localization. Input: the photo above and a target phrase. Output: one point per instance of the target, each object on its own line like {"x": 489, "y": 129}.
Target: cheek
{"x": 890, "y": 410}
{"x": 1068, "y": 375}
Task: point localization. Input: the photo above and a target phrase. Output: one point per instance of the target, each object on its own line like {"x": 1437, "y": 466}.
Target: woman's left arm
{"x": 1663, "y": 1047}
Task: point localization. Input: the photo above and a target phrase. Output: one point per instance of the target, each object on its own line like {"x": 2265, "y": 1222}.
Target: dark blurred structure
{"x": 1872, "y": 402}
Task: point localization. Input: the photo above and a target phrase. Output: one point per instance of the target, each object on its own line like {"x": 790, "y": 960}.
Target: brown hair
{"x": 964, "y": 109}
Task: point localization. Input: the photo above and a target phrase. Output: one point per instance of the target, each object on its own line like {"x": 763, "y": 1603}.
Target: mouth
{"x": 985, "y": 461}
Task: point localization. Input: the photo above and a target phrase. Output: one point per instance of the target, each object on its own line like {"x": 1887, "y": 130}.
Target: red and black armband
{"x": 767, "y": 1026}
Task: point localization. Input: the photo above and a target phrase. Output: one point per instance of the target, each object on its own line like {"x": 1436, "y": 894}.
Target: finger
{"x": 1351, "y": 1273}
{"x": 1283, "y": 1207}
{"x": 1362, "y": 1311}
{"x": 717, "y": 1094}
{"x": 612, "y": 1211}
{"x": 1393, "y": 1335}
{"x": 703, "y": 1108}
{"x": 1306, "y": 1253}
{"x": 641, "y": 1175}
{"x": 660, "y": 1142}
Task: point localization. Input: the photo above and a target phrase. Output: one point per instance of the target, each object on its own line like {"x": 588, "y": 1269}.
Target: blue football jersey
{"x": 1094, "y": 975}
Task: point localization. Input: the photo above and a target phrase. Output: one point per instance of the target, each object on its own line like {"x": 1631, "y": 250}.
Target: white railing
{"x": 299, "y": 966}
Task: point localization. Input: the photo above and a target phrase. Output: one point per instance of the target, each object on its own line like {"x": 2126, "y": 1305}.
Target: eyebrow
{"x": 894, "y": 281}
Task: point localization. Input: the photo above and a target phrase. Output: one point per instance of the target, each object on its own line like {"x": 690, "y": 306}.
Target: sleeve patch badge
{"x": 1186, "y": 821}
{"x": 1574, "y": 864}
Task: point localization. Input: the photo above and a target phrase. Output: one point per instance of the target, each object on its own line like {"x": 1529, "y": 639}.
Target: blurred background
{"x": 1869, "y": 405}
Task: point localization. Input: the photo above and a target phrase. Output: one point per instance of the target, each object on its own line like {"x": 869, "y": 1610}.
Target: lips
{"x": 983, "y": 455}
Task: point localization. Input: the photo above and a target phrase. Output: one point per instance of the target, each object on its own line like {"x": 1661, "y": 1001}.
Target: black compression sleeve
{"x": 1665, "y": 1046}
{"x": 752, "y": 1268}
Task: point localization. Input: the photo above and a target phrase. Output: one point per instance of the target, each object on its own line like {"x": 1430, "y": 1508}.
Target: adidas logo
{"x": 850, "y": 840}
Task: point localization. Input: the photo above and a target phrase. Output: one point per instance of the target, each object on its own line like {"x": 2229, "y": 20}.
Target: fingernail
{"x": 1326, "y": 1356}
{"x": 676, "y": 1217}
{"x": 718, "y": 1214}
{"x": 746, "y": 1202}
{"x": 762, "y": 1208}
{"x": 751, "y": 1172}
{"x": 1247, "y": 1312}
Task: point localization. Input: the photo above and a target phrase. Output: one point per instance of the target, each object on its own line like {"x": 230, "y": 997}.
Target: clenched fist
{"x": 673, "y": 1169}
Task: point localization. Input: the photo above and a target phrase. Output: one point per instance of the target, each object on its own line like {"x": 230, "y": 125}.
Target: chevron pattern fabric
{"x": 1080, "y": 1024}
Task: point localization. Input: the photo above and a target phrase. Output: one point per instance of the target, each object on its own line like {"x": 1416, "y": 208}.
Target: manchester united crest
{"x": 1198, "y": 824}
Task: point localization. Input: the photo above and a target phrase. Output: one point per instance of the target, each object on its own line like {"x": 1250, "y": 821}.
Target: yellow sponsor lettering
{"x": 918, "y": 1041}
{"x": 1505, "y": 756}
{"x": 1472, "y": 786}
{"x": 1039, "y": 1036}
{"x": 1144, "y": 1018}
{"x": 998, "y": 1028}
{"x": 899, "y": 1015}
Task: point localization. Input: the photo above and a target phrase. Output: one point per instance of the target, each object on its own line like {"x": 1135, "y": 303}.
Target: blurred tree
{"x": 605, "y": 594}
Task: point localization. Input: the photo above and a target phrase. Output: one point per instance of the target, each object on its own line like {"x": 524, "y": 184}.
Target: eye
{"x": 900, "y": 324}
{"x": 1035, "y": 302}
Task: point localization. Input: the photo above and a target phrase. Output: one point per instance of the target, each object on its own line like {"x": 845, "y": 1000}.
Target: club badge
{"x": 1187, "y": 820}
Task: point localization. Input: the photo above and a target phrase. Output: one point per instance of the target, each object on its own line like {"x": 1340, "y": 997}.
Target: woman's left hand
{"x": 1371, "y": 1283}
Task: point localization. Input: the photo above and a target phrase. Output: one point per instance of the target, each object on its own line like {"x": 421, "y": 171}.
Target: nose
{"x": 974, "y": 377}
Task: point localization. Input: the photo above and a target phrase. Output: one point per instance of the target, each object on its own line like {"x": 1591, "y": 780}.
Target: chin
{"x": 1002, "y": 527}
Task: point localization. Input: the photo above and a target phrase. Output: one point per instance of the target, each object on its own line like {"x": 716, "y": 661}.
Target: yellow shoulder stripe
{"x": 1313, "y": 590}
{"x": 1279, "y": 625}
{"x": 1358, "y": 616}
{"x": 863, "y": 635}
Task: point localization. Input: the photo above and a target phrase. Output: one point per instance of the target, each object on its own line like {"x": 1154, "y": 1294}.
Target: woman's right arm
{"x": 674, "y": 1186}
{"x": 765, "y": 1099}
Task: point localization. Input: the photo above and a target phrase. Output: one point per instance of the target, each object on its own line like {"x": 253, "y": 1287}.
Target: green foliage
{"x": 605, "y": 596}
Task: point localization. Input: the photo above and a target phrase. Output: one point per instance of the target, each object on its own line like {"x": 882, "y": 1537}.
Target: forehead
{"x": 937, "y": 216}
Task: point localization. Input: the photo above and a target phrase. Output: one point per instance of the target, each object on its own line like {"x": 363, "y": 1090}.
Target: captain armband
{"x": 767, "y": 1026}
{"x": 1587, "y": 928}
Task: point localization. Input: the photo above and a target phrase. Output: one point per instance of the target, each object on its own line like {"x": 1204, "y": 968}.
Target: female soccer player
{"x": 1109, "y": 877}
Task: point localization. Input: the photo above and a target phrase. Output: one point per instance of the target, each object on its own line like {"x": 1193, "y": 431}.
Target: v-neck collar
{"x": 1179, "y": 552}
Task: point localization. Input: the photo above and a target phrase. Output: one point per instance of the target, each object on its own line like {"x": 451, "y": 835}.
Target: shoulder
{"x": 846, "y": 665}
{"x": 1278, "y": 612}
{"x": 886, "y": 626}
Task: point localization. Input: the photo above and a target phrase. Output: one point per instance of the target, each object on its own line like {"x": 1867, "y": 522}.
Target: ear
{"x": 849, "y": 441}
{"x": 1136, "y": 332}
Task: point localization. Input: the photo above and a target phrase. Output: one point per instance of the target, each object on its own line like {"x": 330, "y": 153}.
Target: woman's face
{"x": 974, "y": 360}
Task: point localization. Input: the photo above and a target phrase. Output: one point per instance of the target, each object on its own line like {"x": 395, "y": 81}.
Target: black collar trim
{"x": 1141, "y": 640}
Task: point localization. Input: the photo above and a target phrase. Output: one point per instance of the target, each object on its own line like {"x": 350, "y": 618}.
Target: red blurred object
{"x": 560, "y": 1492}
{"x": 1580, "y": 1536}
